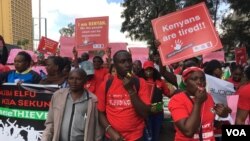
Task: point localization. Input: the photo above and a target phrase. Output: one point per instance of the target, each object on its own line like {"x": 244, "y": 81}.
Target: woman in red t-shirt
{"x": 193, "y": 110}
{"x": 237, "y": 74}
{"x": 158, "y": 87}
{"x": 243, "y": 109}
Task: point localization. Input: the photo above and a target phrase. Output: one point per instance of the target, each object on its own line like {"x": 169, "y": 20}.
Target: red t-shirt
{"x": 236, "y": 84}
{"x": 91, "y": 85}
{"x": 119, "y": 109}
{"x": 99, "y": 75}
{"x": 244, "y": 98}
{"x": 180, "y": 107}
{"x": 160, "y": 84}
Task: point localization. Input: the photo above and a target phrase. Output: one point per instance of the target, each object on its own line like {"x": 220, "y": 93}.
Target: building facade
{"x": 16, "y": 22}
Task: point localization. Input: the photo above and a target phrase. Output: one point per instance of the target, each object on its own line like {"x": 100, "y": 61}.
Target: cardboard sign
{"x": 91, "y": 33}
{"x": 218, "y": 55}
{"x": 185, "y": 34}
{"x": 24, "y": 109}
{"x": 241, "y": 55}
{"x": 219, "y": 89}
{"x": 139, "y": 53}
{"x": 47, "y": 46}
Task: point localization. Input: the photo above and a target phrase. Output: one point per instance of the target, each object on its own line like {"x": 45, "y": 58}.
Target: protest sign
{"x": 47, "y": 46}
{"x": 23, "y": 111}
{"x": 218, "y": 55}
{"x": 117, "y": 46}
{"x": 185, "y": 34}
{"x": 15, "y": 51}
{"x": 219, "y": 89}
{"x": 139, "y": 53}
{"x": 241, "y": 55}
{"x": 66, "y": 47}
{"x": 91, "y": 33}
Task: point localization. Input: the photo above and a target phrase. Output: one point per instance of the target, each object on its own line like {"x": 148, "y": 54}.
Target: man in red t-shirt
{"x": 122, "y": 109}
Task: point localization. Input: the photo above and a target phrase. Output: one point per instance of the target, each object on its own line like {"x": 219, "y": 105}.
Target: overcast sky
{"x": 60, "y": 13}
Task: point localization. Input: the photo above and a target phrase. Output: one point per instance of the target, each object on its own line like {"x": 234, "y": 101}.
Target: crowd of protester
{"x": 121, "y": 99}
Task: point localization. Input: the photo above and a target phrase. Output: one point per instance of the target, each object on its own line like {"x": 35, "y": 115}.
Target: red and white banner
{"x": 91, "y": 33}
{"x": 47, "y": 46}
{"x": 185, "y": 34}
{"x": 139, "y": 53}
{"x": 241, "y": 55}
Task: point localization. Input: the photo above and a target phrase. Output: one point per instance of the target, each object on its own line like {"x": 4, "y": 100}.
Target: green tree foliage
{"x": 236, "y": 25}
{"x": 138, "y": 14}
{"x": 23, "y": 43}
{"x": 67, "y": 31}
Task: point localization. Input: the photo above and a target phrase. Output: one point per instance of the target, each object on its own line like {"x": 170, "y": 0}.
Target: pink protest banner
{"x": 139, "y": 53}
{"x": 218, "y": 55}
{"x": 91, "y": 33}
{"x": 66, "y": 47}
{"x": 114, "y": 47}
{"x": 14, "y": 52}
{"x": 241, "y": 55}
{"x": 232, "y": 102}
{"x": 117, "y": 46}
{"x": 47, "y": 46}
{"x": 185, "y": 34}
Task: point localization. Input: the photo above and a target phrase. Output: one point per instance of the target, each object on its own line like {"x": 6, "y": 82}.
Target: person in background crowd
{"x": 77, "y": 61}
{"x": 73, "y": 114}
{"x": 123, "y": 108}
{"x": 107, "y": 58}
{"x": 84, "y": 57}
{"x": 186, "y": 64}
{"x": 90, "y": 84}
{"x": 100, "y": 71}
{"x": 4, "y": 54}
{"x": 67, "y": 66}
{"x": 193, "y": 110}
{"x": 112, "y": 72}
{"x": 237, "y": 74}
{"x": 155, "y": 120}
{"x": 22, "y": 72}
{"x": 243, "y": 109}
{"x": 214, "y": 68}
{"x": 54, "y": 68}
{"x": 177, "y": 67}
{"x": 137, "y": 67}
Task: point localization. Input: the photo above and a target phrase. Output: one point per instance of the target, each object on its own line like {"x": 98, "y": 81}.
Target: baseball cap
{"x": 148, "y": 64}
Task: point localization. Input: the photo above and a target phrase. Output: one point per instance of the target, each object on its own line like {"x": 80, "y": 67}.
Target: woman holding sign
{"x": 193, "y": 110}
